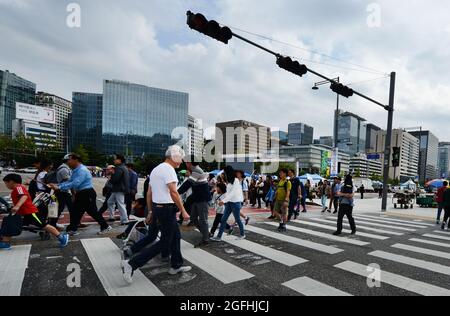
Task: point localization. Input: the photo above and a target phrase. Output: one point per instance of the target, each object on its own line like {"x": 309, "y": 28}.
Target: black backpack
{"x": 11, "y": 226}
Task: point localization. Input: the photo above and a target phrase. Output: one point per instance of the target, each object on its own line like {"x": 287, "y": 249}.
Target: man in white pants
{"x": 120, "y": 180}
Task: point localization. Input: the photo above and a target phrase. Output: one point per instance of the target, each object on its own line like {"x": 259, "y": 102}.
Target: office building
{"x": 195, "y": 137}
{"x": 281, "y": 137}
{"x": 409, "y": 154}
{"x": 13, "y": 89}
{"x": 242, "y": 138}
{"x": 428, "y": 159}
{"x": 62, "y": 108}
{"x": 365, "y": 168}
{"x": 371, "y": 137}
{"x": 444, "y": 160}
{"x": 351, "y": 133}
{"x": 300, "y": 134}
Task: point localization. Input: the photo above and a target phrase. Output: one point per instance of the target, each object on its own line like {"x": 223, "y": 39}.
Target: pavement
{"x": 394, "y": 254}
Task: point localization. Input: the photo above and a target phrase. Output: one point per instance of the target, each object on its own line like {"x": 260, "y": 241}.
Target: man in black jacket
{"x": 201, "y": 196}
{"x": 120, "y": 180}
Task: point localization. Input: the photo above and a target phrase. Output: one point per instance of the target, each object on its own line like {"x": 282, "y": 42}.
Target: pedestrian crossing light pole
{"x": 213, "y": 29}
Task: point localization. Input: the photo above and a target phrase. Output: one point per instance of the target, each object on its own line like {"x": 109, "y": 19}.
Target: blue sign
{"x": 373, "y": 156}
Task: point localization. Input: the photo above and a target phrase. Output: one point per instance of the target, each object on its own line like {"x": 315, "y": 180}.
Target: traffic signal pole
{"x": 387, "y": 151}
{"x": 389, "y": 108}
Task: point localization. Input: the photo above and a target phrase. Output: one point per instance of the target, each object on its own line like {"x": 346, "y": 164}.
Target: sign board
{"x": 35, "y": 113}
{"x": 373, "y": 156}
{"x": 334, "y": 172}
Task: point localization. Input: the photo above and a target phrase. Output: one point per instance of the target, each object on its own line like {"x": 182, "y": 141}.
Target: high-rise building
{"x": 13, "y": 89}
{"x": 351, "y": 133}
{"x": 195, "y": 137}
{"x": 327, "y": 141}
{"x": 86, "y": 120}
{"x": 444, "y": 160}
{"x": 428, "y": 160}
{"x": 62, "y": 109}
{"x": 366, "y": 168}
{"x": 300, "y": 134}
{"x": 371, "y": 137}
{"x": 409, "y": 154}
{"x": 281, "y": 137}
{"x": 129, "y": 118}
{"x": 242, "y": 138}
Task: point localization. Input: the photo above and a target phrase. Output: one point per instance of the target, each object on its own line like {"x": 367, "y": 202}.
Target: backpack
{"x": 51, "y": 177}
{"x": 11, "y": 226}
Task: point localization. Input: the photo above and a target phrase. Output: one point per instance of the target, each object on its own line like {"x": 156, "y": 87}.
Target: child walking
{"x": 218, "y": 197}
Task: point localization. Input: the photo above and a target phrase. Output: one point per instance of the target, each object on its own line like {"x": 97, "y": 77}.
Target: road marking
{"x": 375, "y": 230}
{"x": 396, "y": 280}
{"x": 218, "y": 268}
{"x": 266, "y": 252}
{"x": 310, "y": 287}
{"x": 415, "y": 223}
{"x": 323, "y": 235}
{"x": 443, "y": 232}
{"x": 358, "y": 221}
{"x": 13, "y": 264}
{"x": 424, "y": 251}
{"x": 105, "y": 258}
{"x": 428, "y": 242}
{"x": 436, "y": 237}
{"x": 345, "y": 231}
{"x": 296, "y": 241}
{"x": 389, "y": 222}
{"x": 422, "y": 264}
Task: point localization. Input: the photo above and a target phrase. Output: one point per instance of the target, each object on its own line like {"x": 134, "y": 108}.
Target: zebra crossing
{"x": 306, "y": 260}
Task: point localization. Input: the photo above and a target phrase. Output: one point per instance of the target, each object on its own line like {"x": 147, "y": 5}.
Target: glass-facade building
{"x": 300, "y": 134}
{"x": 352, "y": 132}
{"x": 86, "y": 120}
{"x": 13, "y": 89}
{"x": 429, "y": 155}
{"x": 140, "y": 120}
{"x": 444, "y": 160}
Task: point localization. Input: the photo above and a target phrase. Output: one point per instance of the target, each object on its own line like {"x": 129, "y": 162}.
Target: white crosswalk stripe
{"x": 310, "y": 287}
{"x": 383, "y": 221}
{"x": 396, "y": 280}
{"x": 443, "y": 232}
{"x": 426, "y": 265}
{"x": 390, "y": 219}
{"x": 359, "y": 221}
{"x": 296, "y": 241}
{"x": 423, "y": 251}
{"x": 437, "y": 237}
{"x": 324, "y": 236}
{"x": 429, "y": 242}
{"x": 331, "y": 228}
{"x": 13, "y": 264}
{"x": 267, "y": 252}
{"x": 105, "y": 258}
{"x": 370, "y": 229}
{"x": 216, "y": 267}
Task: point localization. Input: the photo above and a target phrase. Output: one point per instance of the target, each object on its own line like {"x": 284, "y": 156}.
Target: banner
{"x": 29, "y": 112}
{"x": 335, "y": 163}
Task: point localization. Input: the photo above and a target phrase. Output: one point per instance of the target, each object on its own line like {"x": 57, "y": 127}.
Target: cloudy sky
{"x": 148, "y": 42}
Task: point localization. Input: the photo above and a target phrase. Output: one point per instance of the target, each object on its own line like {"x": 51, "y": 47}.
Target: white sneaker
{"x": 173, "y": 271}
{"x": 216, "y": 239}
{"x": 105, "y": 231}
{"x": 241, "y": 237}
{"x": 127, "y": 272}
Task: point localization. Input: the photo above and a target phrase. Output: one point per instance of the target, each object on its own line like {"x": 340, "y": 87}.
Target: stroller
{"x": 137, "y": 231}
{"x": 44, "y": 200}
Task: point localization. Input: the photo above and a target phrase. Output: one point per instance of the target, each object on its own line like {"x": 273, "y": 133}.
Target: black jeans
{"x": 170, "y": 241}
{"x": 129, "y": 199}
{"x": 64, "y": 200}
{"x": 447, "y": 215}
{"x": 346, "y": 210}
{"x": 216, "y": 224}
{"x": 334, "y": 202}
{"x": 85, "y": 202}
{"x": 293, "y": 201}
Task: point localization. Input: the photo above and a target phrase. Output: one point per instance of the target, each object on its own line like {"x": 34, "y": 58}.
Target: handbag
{"x": 11, "y": 226}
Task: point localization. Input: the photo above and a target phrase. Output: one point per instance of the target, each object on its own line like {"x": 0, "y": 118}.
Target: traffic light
{"x": 211, "y": 28}
{"x": 396, "y": 155}
{"x": 339, "y": 88}
{"x": 288, "y": 64}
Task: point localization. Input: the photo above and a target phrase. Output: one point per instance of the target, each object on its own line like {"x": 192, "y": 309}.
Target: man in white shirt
{"x": 163, "y": 203}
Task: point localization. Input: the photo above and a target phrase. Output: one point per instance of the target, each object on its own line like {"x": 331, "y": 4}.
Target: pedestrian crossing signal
{"x": 211, "y": 28}
{"x": 290, "y": 65}
{"x": 340, "y": 89}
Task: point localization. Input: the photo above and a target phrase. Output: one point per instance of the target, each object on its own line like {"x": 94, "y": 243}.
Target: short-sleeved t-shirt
{"x": 28, "y": 207}
{"x": 282, "y": 189}
{"x": 41, "y": 181}
{"x": 160, "y": 177}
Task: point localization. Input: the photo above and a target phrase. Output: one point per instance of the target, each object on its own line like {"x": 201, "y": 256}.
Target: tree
{"x": 81, "y": 151}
